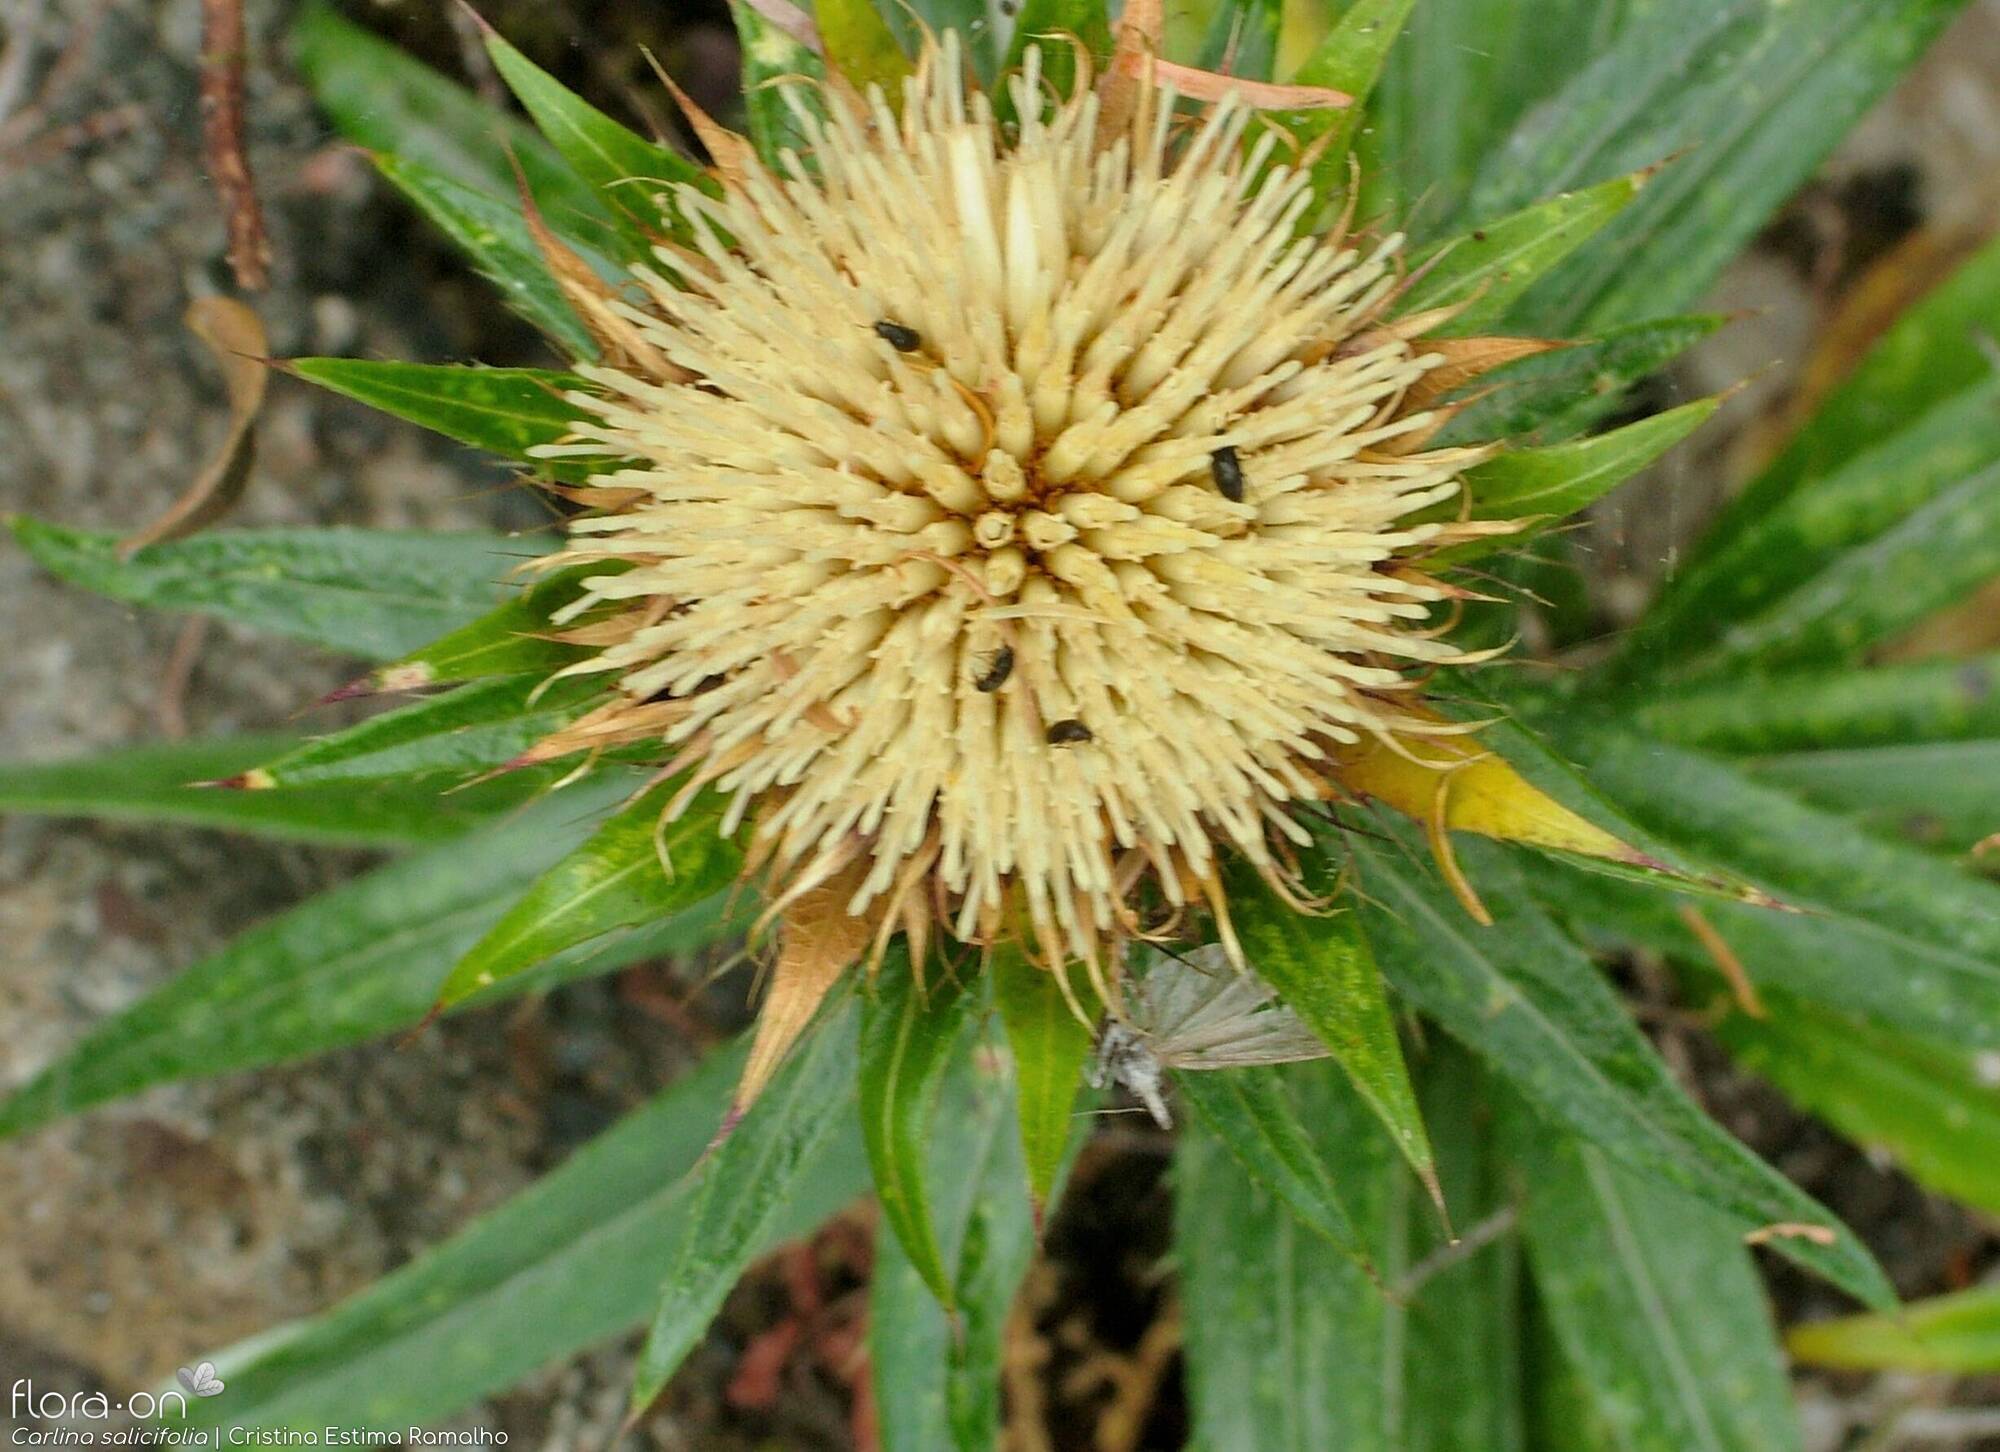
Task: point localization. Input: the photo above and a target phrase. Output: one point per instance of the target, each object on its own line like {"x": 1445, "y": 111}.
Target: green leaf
{"x": 1747, "y": 95}
{"x": 505, "y": 411}
{"x": 631, "y": 176}
{"x": 1928, "y": 1105}
{"x": 981, "y": 31}
{"x": 353, "y": 963}
{"x": 1546, "y": 486}
{"x": 372, "y": 593}
{"x": 1349, "y": 60}
{"x": 1896, "y": 788}
{"x": 1290, "y": 1347}
{"x": 1931, "y": 354}
{"x": 1487, "y": 269}
{"x": 1462, "y": 1356}
{"x": 1462, "y": 73}
{"x": 620, "y": 878}
{"x": 1893, "y": 705}
{"x": 1242, "y": 39}
{"x": 1528, "y": 1002}
{"x": 910, "y": 1032}
{"x": 385, "y": 100}
{"x": 1049, "y": 24}
{"x": 1049, "y": 1045}
{"x": 574, "y": 1259}
{"x": 476, "y": 727}
{"x": 1250, "y": 1111}
{"x": 1883, "y": 932}
{"x": 861, "y": 47}
{"x": 1905, "y": 527}
{"x": 151, "y": 784}
{"x": 933, "y": 1388}
{"x": 1958, "y": 1335}
{"x": 1655, "y": 1300}
{"x": 1556, "y": 396}
{"x": 747, "y": 1188}
{"x": 508, "y": 640}
{"x": 492, "y": 232}
{"x": 1323, "y": 970}
{"x": 770, "y": 59}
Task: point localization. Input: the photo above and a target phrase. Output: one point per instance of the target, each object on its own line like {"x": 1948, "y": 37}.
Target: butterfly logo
{"x": 202, "y": 1380}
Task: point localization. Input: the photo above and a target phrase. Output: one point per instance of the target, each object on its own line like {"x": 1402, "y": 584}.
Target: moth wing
{"x": 1203, "y": 1017}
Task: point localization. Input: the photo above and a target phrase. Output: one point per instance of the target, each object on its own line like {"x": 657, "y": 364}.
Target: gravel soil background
{"x": 145, "y": 1234}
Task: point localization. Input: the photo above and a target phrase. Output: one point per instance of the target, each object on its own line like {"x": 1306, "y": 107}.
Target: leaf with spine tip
{"x": 371, "y": 593}
{"x": 1514, "y": 729}
{"x": 351, "y": 964}
{"x": 630, "y": 174}
{"x": 861, "y": 47}
{"x": 632, "y": 870}
{"x": 1487, "y": 269}
{"x": 478, "y": 727}
{"x": 1463, "y": 784}
{"x": 505, "y": 411}
{"x": 1324, "y": 972}
{"x": 572, "y": 1260}
{"x": 510, "y": 640}
{"x": 1542, "y": 487}
{"x": 154, "y": 784}
{"x": 745, "y": 1186}
{"x": 1958, "y": 1335}
{"x": 1049, "y": 1045}
{"x": 1558, "y": 395}
{"x": 1654, "y": 1300}
{"x": 774, "y": 62}
{"x": 1536, "y": 1010}
{"x": 910, "y": 1032}
{"x": 493, "y": 234}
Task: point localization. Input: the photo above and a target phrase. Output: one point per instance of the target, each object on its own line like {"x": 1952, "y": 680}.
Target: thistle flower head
{"x": 1014, "y": 516}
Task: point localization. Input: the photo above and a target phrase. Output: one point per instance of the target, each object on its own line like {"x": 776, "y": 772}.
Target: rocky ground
{"x": 192, "y": 1216}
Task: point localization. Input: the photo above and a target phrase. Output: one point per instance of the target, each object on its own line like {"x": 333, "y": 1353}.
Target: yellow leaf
{"x": 1456, "y": 782}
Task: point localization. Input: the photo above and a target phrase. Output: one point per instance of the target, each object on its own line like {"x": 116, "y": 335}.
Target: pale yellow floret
{"x": 850, "y": 535}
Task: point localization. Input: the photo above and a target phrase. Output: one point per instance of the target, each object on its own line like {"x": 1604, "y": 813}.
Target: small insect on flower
{"x": 902, "y": 339}
{"x": 1069, "y": 733}
{"x": 996, "y": 673}
{"x": 1191, "y": 1013}
{"x": 1228, "y": 472}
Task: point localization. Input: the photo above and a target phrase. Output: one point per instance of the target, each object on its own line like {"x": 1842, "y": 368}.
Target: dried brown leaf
{"x": 235, "y": 335}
